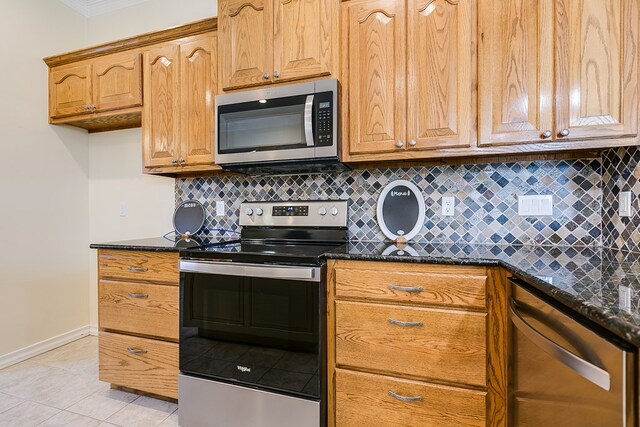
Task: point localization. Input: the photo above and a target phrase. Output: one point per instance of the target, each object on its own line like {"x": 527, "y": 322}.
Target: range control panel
{"x": 307, "y": 213}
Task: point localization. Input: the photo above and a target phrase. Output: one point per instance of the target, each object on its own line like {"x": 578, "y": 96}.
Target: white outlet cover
{"x": 448, "y": 205}
{"x": 624, "y": 298}
{"x": 535, "y": 205}
{"x": 220, "y": 208}
{"x": 122, "y": 209}
{"x": 624, "y": 204}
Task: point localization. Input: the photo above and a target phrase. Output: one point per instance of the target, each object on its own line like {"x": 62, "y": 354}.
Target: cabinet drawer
{"x": 365, "y": 400}
{"x": 443, "y": 345}
{"x": 139, "y": 265}
{"x": 153, "y": 370}
{"x": 139, "y": 308}
{"x": 429, "y": 288}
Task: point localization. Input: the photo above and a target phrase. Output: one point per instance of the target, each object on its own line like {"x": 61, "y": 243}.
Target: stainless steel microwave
{"x": 292, "y": 128}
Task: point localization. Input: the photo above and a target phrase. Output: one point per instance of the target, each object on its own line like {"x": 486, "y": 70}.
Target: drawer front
{"x": 443, "y": 345}
{"x": 139, "y": 308}
{"x": 139, "y": 265}
{"x": 153, "y": 370}
{"x": 365, "y": 400}
{"x": 395, "y": 285}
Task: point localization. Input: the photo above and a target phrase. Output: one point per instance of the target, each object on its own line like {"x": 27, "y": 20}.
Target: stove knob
{"x": 259, "y": 212}
{"x": 322, "y": 211}
{"x": 248, "y": 211}
{"x": 334, "y": 211}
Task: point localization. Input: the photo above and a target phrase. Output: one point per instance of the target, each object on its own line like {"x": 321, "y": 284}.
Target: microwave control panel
{"x": 324, "y": 119}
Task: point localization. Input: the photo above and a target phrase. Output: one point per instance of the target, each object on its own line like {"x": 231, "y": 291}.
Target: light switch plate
{"x": 624, "y": 298}
{"x": 624, "y": 203}
{"x": 448, "y": 205}
{"x": 219, "y": 208}
{"x": 536, "y": 205}
{"x": 122, "y": 209}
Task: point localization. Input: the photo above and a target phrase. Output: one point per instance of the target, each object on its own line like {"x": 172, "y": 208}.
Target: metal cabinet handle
{"x": 399, "y": 144}
{"x": 137, "y": 269}
{"x": 413, "y": 143}
{"x": 137, "y": 295}
{"x": 405, "y": 324}
{"x": 276, "y": 74}
{"x": 174, "y": 161}
{"x": 181, "y": 160}
{"x": 546, "y": 134}
{"x": 265, "y": 76}
{"x": 406, "y": 288}
{"x": 564, "y": 132}
{"x": 406, "y": 398}
{"x": 587, "y": 370}
{"x": 136, "y": 350}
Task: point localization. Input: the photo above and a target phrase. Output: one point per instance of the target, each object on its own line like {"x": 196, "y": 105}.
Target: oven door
{"x": 252, "y": 324}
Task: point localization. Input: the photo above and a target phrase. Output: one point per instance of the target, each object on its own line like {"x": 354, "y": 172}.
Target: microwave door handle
{"x": 308, "y": 121}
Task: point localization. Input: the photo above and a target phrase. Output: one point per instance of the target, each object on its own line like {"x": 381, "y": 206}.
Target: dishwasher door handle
{"x": 585, "y": 369}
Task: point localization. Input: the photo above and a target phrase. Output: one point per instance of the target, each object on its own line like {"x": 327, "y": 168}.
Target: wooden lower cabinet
{"x": 138, "y": 318}
{"x": 139, "y": 363}
{"x": 415, "y": 345}
{"x": 364, "y": 399}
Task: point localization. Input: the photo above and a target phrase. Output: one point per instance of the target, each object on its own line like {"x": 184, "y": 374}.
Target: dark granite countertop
{"x": 163, "y": 244}
{"x": 602, "y": 285}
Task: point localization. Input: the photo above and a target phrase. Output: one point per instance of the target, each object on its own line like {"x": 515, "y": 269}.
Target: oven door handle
{"x": 308, "y": 121}
{"x": 282, "y": 272}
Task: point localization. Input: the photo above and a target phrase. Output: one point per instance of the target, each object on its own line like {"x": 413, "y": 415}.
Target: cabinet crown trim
{"x": 139, "y": 41}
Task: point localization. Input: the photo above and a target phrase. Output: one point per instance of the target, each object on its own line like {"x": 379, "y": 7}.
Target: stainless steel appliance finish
{"x": 308, "y": 213}
{"x": 282, "y": 272}
{"x": 563, "y": 373}
{"x": 281, "y": 125}
{"x": 240, "y": 407}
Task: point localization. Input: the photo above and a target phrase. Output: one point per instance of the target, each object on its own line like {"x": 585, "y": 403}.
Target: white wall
{"x": 116, "y": 157}
{"x": 44, "y": 177}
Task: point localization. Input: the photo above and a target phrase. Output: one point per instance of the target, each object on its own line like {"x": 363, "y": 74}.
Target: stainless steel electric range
{"x": 252, "y": 312}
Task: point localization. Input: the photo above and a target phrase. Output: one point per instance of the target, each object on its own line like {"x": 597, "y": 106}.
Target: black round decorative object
{"x": 400, "y": 210}
{"x": 188, "y": 219}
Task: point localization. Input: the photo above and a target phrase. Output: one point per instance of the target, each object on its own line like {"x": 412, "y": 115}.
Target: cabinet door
{"x": 597, "y": 68}
{"x": 69, "y": 90}
{"x": 161, "y": 118}
{"x": 440, "y": 108}
{"x": 515, "y": 71}
{"x": 198, "y": 61}
{"x": 375, "y": 75}
{"x": 302, "y": 38}
{"x": 246, "y": 43}
{"x": 117, "y": 81}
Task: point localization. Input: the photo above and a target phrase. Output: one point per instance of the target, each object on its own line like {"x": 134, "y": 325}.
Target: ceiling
{"x": 91, "y": 8}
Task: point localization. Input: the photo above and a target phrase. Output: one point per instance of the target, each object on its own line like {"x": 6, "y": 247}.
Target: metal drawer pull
{"x": 406, "y": 288}
{"x": 406, "y": 398}
{"x": 406, "y": 324}
{"x": 138, "y": 269}
{"x": 585, "y": 369}
{"x": 137, "y": 295}
{"x": 136, "y": 350}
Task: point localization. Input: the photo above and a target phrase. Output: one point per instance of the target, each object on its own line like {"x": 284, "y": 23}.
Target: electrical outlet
{"x": 448, "y": 205}
{"x": 536, "y": 205}
{"x": 122, "y": 209}
{"x": 624, "y": 203}
{"x": 220, "y": 208}
{"x": 624, "y": 298}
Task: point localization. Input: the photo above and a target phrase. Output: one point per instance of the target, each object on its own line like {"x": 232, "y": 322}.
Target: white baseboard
{"x": 93, "y": 330}
{"x": 44, "y": 346}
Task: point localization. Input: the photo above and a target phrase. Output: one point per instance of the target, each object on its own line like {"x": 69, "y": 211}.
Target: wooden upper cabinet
{"x": 161, "y": 115}
{"x": 597, "y": 68}
{"x": 198, "y": 63}
{"x": 302, "y": 38}
{"x": 515, "y": 71}
{"x": 117, "y": 81}
{"x": 374, "y": 75}
{"x": 246, "y": 42}
{"x": 69, "y": 90}
{"x": 440, "y": 73}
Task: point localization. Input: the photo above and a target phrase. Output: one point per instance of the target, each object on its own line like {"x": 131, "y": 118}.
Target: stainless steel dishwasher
{"x": 562, "y": 373}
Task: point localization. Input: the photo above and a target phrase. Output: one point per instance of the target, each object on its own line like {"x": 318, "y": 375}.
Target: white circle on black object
{"x": 393, "y": 250}
{"x": 400, "y": 210}
{"x": 188, "y": 219}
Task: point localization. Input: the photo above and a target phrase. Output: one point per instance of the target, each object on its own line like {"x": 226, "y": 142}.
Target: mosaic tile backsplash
{"x": 486, "y": 200}
{"x": 621, "y": 172}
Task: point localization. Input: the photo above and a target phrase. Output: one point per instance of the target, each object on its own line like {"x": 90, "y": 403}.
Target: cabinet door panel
{"x": 118, "y": 81}
{"x": 440, "y": 73}
{"x": 198, "y": 79}
{"x": 69, "y": 90}
{"x": 302, "y": 38}
{"x": 161, "y": 121}
{"x": 246, "y": 42}
{"x": 516, "y": 71}
{"x": 375, "y": 75}
{"x": 597, "y": 68}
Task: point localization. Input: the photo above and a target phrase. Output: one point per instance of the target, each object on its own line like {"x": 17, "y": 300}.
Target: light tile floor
{"x": 61, "y": 388}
